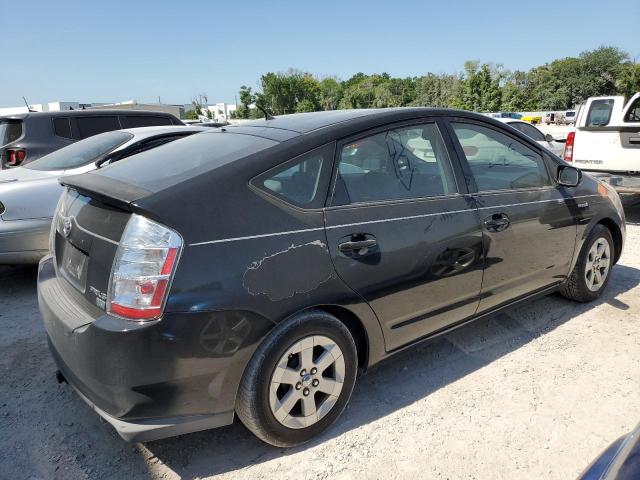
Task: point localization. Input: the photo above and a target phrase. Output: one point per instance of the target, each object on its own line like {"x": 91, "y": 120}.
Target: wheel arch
{"x": 616, "y": 233}
{"x": 356, "y": 328}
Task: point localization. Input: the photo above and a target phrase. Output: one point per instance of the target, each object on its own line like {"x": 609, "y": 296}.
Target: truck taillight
{"x": 567, "y": 155}
{"x": 142, "y": 270}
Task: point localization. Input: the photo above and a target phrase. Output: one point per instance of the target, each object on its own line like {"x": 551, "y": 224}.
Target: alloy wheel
{"x": 598, "y": 263}
{"x": 306, "y": 382}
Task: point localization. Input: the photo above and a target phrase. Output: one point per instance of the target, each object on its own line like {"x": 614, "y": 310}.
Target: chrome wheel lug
{"x": 303, "y": 372}
{"x": 305, "y": 392}
{"x": 315, "y": 382}
{"x": 314, "y": 370}
{"x": 298, "y": 386}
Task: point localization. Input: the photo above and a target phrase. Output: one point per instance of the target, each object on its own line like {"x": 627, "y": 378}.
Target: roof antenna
{"x": 267, "y": 115}
{"x": 28, "y": 107}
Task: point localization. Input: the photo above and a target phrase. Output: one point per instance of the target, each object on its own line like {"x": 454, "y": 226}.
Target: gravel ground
{"x": 537, "y": 393}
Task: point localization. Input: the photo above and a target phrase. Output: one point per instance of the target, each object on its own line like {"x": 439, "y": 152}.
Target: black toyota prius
{"x": 255, "y": 269}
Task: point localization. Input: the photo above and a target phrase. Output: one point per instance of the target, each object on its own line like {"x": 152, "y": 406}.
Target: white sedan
{"x": 556, "y": 145}
{"x": 29, "y": 194}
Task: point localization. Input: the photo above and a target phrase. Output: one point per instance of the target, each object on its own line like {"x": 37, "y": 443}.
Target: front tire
{"x": 592, "y": 271}
{"x": 299, "y": 379}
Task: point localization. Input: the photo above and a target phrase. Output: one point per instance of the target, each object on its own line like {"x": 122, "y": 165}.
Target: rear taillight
{"x": 16, "y": 157}
{"x": 142, "y": 270}
{"x": 567, "y": 155}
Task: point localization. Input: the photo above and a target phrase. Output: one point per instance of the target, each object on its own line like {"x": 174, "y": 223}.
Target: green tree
{"x": 440, "y": 91}
{"x": 331, "y": 91}
{"x": 246, "y": 99}
{"x": 481, "y": 90}
{"x": 515, "y": 92}
{"x": 628, "y": 81}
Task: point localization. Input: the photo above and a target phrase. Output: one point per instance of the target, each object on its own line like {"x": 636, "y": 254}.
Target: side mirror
{"x": 569, "y": 176}
{"x": 549, "y": 138}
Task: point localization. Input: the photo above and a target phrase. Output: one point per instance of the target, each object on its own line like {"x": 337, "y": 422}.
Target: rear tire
{"x": 592, "y": 271}
{"x": 299, "y": 379}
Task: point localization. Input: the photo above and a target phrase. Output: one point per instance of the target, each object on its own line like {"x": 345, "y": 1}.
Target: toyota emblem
{"x": 66, "y": 227}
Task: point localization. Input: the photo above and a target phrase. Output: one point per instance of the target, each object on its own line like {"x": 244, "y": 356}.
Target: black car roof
{"x": 302, "y": 123}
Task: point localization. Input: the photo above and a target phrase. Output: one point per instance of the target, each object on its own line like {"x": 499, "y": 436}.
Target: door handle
{"x": 357, "y": 247}
{"x": 498, "y": 222}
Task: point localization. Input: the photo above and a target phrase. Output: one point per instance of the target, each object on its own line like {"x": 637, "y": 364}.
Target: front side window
{"x": 397, "y": 164}
{"x": 299, "y": 181}
{"x": 600, "y": 113}
{"x": 498, "y": 161}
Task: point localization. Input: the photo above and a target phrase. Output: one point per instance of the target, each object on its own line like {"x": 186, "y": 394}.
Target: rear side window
{"x": 599, "y": 113}
{"x": 62, "y": 127}
{"x": 299, "y": 181}
{"x": 89, "y": 126}
{"x": 633, "y": 114}
{"x": 498, "y": 161}
{"x": 133, "y": 121}
{"x": 397, "y": 164}
{"x": 10, "y": 131}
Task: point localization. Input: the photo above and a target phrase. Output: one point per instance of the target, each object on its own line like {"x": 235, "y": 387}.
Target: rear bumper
{"x": 173, "y": 376}
{"x": 24, "y": 241}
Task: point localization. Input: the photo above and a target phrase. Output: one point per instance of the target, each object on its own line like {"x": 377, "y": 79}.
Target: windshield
{"x": 10, "y": 131}
{"x": 81, "y": 153}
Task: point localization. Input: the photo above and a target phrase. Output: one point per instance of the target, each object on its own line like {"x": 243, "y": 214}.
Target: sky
{"x": 90, "y": 51}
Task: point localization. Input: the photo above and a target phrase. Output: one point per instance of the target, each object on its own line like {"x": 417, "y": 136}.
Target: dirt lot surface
{"x": 536, "y": 393}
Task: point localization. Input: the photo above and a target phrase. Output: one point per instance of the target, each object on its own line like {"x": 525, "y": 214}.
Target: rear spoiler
{"x": 107, "y": 190}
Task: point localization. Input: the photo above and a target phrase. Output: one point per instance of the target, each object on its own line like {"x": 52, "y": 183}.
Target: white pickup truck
{"x": 606, "y": 141}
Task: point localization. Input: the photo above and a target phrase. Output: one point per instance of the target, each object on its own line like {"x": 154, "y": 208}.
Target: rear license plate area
{"x": 73, "y": 266}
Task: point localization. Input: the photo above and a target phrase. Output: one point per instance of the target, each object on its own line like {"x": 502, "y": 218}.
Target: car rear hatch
{"x": 86, "y": 234}
{"x": 94, "y": 211}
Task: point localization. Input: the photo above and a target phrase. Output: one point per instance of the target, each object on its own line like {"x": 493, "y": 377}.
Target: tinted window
{"x": 10, "y": 131}
{"x": 298, "y": 181}
{"x": 178, "y": 161}
{"x": 62, "y": 127}
{"x": 599, "y": 113}
{"x": 89, "y": 126}
{"x": 498, "y": 161}
{"x": 134, "y": 121}
{"x": 397, "y": 164}
{"x": 633, "y": 114}
{"x": 80, "y": 153}
{"x": 529, "y": 130}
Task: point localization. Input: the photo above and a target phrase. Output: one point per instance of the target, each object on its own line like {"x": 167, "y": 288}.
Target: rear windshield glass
{"x": 600, "y": 113}
{"x": 186, "y": 158}
{"x": 81, "y": 153}
{"x": 10, "y": 131}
